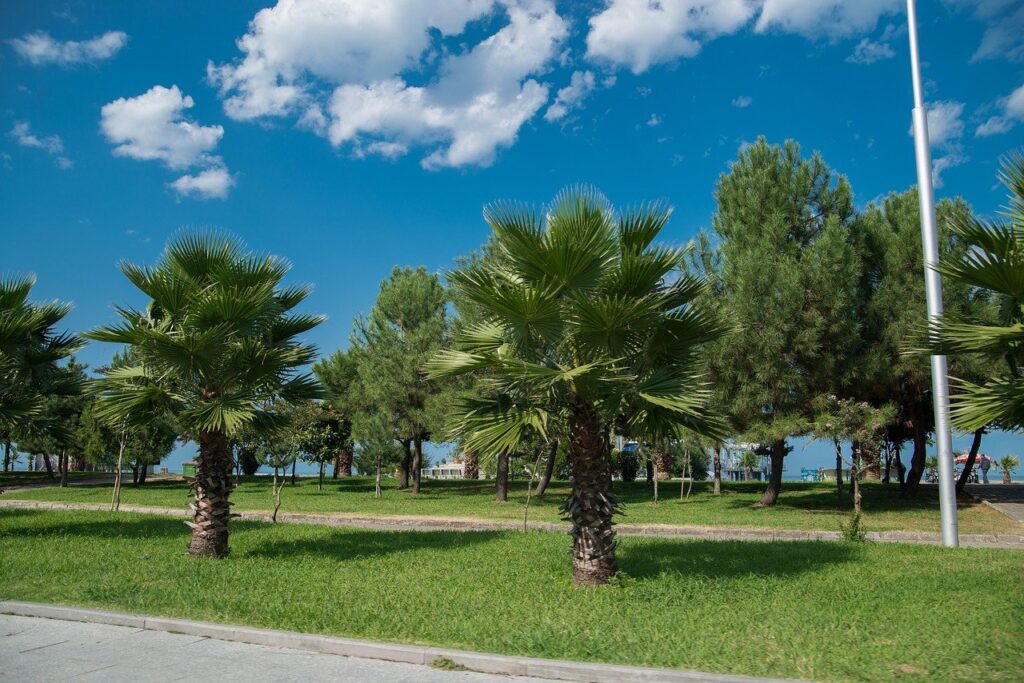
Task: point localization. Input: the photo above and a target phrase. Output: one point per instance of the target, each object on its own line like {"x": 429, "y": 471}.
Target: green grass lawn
{"x": 23, "y": 478}
{"x": 812, "y": 610}
{"x": 801, "y": 506}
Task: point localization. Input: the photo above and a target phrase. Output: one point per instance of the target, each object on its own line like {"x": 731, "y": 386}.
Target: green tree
{"x": 215, "y": 351}
{"x": 31, "y": 351}
{"x": 787, "y": 276}
{"x": 992, "y": 262}
{"x": 52, "y": 430}
{"x": 276, "y": 449}
{"x": 406, "y": 327}
{"x": 339, "y": 377}
{"x": 584, "y": 316}
{"x": 320, "y": 432}
{"x": 1008, "y": 463}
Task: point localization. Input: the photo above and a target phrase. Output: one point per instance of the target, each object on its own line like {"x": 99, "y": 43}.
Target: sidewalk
{"x": 1007, "y": 498}
{"x": 1012, "y": 541}
{"x": 49, "y": 642}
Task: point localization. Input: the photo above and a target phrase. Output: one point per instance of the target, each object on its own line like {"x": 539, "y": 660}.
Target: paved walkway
{"x": 396, "y": 523}
{"x": 1007, "y": 498}
{"x": 33, "y": 649}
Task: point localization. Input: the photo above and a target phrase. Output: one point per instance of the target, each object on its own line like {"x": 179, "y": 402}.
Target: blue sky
{"x": 351, "y": 136}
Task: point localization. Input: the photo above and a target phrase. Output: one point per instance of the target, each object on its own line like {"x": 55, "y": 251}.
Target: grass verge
{"x": 801, "y": 505}
{"x": 812, "y": 610}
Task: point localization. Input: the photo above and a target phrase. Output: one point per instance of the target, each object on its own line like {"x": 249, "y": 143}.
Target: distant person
{"x": 986, "y": 463}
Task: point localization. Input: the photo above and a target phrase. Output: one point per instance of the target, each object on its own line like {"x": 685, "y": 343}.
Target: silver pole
{"x": 933, "y": 289}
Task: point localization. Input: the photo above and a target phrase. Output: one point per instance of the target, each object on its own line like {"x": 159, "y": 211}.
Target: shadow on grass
{"x": 730, "y": 559}
{"x": 352, "y": 544}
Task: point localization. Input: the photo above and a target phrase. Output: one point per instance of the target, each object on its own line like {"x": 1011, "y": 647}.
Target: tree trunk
{"x": 839, "y": 469}
{"x": 294, "y": 463}
{"x": 115, "y": 501}
{"x": 717, "y": 464}
{"x": 135, "y": 475}
{"x": 855, "y": 469}
{"x": 913, "y": 481}
{"x": 971, "y": 457}
{"x": 49, "y": 466}
{"x": 62, "y": 462}
{"x": 142, "y": 474}
{"x": 662, "y": 464}
{"x": 417, "y": 463}
{"x": 887, "y": 472}
{"x": 870, "y": 465}
{"x": 650, "y": 471}
{"x": 277, "y": 493}
{"x": 549, "y": 468}
{"x": 320, "y": 481}
{"x": 7, "y": 456}
{"x": 470, "y": 465}
{"x": 343, "y": 462}
{"x": 591, "y": 504}
{"x": 403, "y": 467}
{"x": 212, "y": 486}
{"x": 901, "y": 471}
{"x": 376, "y": 485}
{"x": 501, "y": 479}
{"x": 771, "y": 494}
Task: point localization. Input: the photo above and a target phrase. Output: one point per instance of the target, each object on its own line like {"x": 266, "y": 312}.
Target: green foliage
{"x": 578, "y": 301}
{"x": 320, "y": 431}
{"x": 1008, "y": 463}
{"x": 30, "y": 353}
{"x": 853, "y": 530}
{"x": 55, "y": 425}
{"x": 992, "y": 263}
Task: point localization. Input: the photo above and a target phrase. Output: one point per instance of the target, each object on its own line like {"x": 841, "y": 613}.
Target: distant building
{"x": 448, "y": 470}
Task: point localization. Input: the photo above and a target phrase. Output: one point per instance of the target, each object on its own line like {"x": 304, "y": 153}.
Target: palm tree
{"x": 216, "y": 351}
{"x": 583, "y": 317}
{"x": 30, "y": 351}
{"x": 749, "y": 462}
{"x": 1008, "y": 463}
{"x": 994, "y": 265}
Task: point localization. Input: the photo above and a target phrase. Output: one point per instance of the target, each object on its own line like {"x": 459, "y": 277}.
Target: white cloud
{"x": 355, "y": 72}
{"x": 742, "y": 102}
{"x": 945, "y": 123}
{"x": 641, "y": 33}
{"x": 1013, "y": 113}
{"x": 1004, "y": 32}
{"x": 832, "y": 19}
{"x": 153, "y": 127}
{"x": 943, "y": 164}
{"x": 580, "y": 86}
{"x": 40, "y": 48}
{"x": 654, "y": 121}
{"x": 870, "y": 51}
{"x": 213, "y": 183}
{"x": 51, "y": 144}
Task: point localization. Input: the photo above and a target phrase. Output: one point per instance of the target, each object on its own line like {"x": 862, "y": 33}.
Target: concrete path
{"x": 33, "y": 649}
{"x": 396, "y": 523}
{"x": 1007, "y": 498}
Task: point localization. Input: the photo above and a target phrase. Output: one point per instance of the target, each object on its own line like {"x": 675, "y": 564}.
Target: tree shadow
{"x": 730, "y": 559}
{"x": 99, "y": 525}
{"x": 350, "y": 544}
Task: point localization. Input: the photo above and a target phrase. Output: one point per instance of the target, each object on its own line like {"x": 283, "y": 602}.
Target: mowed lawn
{"x": 801, "y": 506}
{"x": 810, "y": 610}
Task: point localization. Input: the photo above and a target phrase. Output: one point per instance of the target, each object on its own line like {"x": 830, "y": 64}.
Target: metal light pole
{"x": 933, "y": 288}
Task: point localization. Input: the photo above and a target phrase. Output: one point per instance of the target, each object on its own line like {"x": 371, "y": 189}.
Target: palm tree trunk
{"x": 771, "y": 494}
{"x": 343, "y": 465}
{"x": 549, "y": 468}
{"x": 591, "y": 504}
{"x": 971, "y": 457}
{"x": 501, "y": 479}
{"x": 662, "y": 464}
{"x": 417, "y": 463}
{"x": 716, "y": 459}
{"x": 913, "y": 481}
{"x": 212, "y": 486}
{"x": 403, "y": 467}
{"x": 470, "y": 465}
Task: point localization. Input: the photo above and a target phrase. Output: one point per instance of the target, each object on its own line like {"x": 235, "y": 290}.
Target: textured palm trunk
{"x": 716, "y": 459}
{"x": 972, "y": 455}
{"x": 212, "y": 486}
{"x": 343, "y": 463}
{"x": 470, "y": 465}
{"x": 501, "y": 479}
{"x": 549, "y": 468}
{"x": 662, "y": 465}
{"x": 417, "y": 463}
{"x": 771, "y": 494}
{"x": 871, "y": 465}
{"x": 591, "y": 504}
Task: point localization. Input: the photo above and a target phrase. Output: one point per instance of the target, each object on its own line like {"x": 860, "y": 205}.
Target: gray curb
{"x": 556, "y": 669}
{"x": 1009, "y": 541}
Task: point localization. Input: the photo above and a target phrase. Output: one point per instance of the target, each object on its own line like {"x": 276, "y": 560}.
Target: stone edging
{"x": 1012, "y": 541}
{"x": 557, "y": 669}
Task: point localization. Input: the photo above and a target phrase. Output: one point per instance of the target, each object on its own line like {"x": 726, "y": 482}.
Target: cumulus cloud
{"x": 571, "y": 96}
{"x": 640, "y": 33}
{"x": 1004, "y": 32}
{"x": 742, "y": 102}
{"x": 213, "y": 183}
{"x": 354, "y": 72}
{"x": 40, "y": 48}
{"x": 51, "y": 144}
{"x": 831, "y": 19}
{"x": 154, "y": 127}
{"x": 1013, "y": 113}
{"x": 869, "y": 51}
